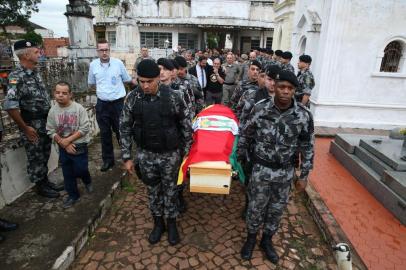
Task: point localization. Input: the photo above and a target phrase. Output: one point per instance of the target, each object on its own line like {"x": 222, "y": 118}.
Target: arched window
{"x": 391, "y": 59}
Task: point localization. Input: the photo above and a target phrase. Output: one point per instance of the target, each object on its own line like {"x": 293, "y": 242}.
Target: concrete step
{"x": 396, "y": 181}
{"x": 371, "y": 161}
{"x": 349, "y": 141}
{"x": 371, "y": 181}
{"x": 388, "y": 150}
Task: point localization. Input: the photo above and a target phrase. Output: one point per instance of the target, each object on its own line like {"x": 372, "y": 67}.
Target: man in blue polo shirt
{"x": 108, "y": 75}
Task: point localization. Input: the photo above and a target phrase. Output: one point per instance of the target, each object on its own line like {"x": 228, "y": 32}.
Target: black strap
{"x": 273, "y": 165}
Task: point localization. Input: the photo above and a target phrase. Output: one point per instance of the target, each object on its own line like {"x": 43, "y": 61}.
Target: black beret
{"x": 305, "y": 58}
{"x": 269, "y": 51}
{"x": 285, "y": 75}
{"x": 23, "y": 44}
{"x": 166, "y": 63}
{"x": 181, "y": 61}
{"x": 272, "y": 71}
{"x": 174, "y": 63}
{"x": 287, "y": 55}
{"x": 256, "y": 63}
{"x": 148, "y": 69}
{"x": 278, "y": 53}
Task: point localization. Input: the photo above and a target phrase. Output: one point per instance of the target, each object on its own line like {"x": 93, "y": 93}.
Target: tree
{"x": 32, "y": 36}
{"x": 17, "y": 12}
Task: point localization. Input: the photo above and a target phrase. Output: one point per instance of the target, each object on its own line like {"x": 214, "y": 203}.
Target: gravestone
{"x": 379, "y": 164}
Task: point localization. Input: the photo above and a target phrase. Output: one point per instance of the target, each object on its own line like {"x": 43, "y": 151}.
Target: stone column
{"x": 82, "y": 41}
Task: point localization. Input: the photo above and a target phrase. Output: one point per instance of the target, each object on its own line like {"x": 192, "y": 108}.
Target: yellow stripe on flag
{"x": 180, "y": 174}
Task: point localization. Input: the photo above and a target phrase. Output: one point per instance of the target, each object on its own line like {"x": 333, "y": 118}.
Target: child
{"x": 68, "y": 126}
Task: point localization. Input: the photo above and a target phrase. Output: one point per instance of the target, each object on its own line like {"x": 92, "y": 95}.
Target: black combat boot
{"x": 173, "y": 235}
{"x": 157, "y": 231}
{"x": 44, "y": 190}
{"x": 181, "y": 202}
{"x": 6, "y": 226}
{"x": 53, "y": 185}
{"x": 267, "y": 247}
{"x": 248, "y": 247}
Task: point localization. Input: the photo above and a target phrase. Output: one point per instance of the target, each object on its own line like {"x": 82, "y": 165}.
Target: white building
{"x": 359, "y": 51}
{"x": 284, "y": 15}
{"x": 187, "y": 23}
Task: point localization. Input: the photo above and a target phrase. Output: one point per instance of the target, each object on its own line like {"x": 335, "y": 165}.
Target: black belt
{"x": 111, "y": 101}
{"x": 229, "y": 83}
{"x": 273, "y": 165}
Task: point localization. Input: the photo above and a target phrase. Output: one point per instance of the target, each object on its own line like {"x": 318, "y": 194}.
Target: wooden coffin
{"x": 210, "y": 177}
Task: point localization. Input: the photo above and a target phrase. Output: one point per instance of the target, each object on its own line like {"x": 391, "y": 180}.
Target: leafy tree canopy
{"x": 17, "y": 12}
{"x": 32, "y": 36}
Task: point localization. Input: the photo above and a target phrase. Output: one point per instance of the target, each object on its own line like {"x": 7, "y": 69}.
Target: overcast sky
{"x": 51, "y": 16}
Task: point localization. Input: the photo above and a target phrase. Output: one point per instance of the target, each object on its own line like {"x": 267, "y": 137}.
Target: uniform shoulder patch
{"x": 12, "y": 80}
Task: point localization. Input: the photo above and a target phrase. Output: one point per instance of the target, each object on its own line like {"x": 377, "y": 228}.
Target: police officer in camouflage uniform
{"x": 196, "y": 93}
{"x": 275, "y": 130}
{"x": 306, "y": 80}
{"x": 157, "y": 119}
{"x": 28, "y": 102}
{"x": 285, "y": 60}
{"x": 244, "y": 107}
{"x": 244, "y": 85}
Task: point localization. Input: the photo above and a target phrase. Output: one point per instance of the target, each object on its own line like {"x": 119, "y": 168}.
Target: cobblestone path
{"x": 212, "y": 234}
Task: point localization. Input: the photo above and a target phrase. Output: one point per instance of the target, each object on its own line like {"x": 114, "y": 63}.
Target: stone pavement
{"x": 212, "y": 234}
{"x": 378, "y": 237}
{"x": 46, "y": 229}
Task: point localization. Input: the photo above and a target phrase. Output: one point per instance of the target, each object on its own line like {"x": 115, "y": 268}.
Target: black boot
{"x": 54, "y": 186}
{"x": 6, "y": 226}
{"x": 267, "y": 247}
{"x": 157, "y": 231}
{"x": 248, "y": 247}
{"x": 2, "y": 238}
{"x": 181, "y": 202}
{"x": 44, "y": 190}
{"x": 173, "y": 235}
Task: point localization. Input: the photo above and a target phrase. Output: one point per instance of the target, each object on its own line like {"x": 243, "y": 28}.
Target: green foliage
{"x": 106, "y": 5}
{"x": 17, "y": 12}
{"x": 32, "y": 36}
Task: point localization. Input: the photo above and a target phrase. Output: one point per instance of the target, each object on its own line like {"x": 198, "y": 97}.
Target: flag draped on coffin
{"x": 214, "y": 139}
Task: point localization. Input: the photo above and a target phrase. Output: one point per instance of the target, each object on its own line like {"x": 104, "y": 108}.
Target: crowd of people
{"x": 155, "y": 116}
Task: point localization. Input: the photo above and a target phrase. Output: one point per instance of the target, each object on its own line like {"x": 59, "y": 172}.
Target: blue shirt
{"x": 108, "y": 78}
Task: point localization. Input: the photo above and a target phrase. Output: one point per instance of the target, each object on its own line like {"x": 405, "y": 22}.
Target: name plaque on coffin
{"x": 210, "y": 177}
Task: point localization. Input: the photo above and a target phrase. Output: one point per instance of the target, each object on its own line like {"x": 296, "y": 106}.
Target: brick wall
{"x": 52, "y": 44}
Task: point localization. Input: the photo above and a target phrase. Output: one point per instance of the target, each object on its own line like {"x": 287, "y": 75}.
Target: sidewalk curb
{"x": 72, "y": 251}
{"x": 328, "y": 225}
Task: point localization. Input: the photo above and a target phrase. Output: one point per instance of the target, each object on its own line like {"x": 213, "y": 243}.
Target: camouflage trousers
{"x": 161, "y": 168}
{"x": 268, "y": 195}
{"x": 37, "y": 157}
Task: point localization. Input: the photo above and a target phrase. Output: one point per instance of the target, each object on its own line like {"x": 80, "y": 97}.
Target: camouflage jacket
{"x": 270, "y": 62}
{"x": 195, "y": 91}
{"x": 276, "y": 136}
{"x": 288, "y": 67}
{"x": 239, "y": 90}
{"x": 26, "y": 92}
{"x": 247, "y": 102}
{"x": 127, "y": 119}
{"x": 306, "y": 83}
{"x": 185, "y": 89}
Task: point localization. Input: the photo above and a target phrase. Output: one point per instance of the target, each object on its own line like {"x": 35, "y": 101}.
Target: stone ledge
{"x": 72, "y": 251}
{"x": 328, "y": 225}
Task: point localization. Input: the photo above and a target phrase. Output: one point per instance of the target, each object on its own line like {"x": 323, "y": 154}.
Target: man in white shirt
{"x": 108, "y": 75}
